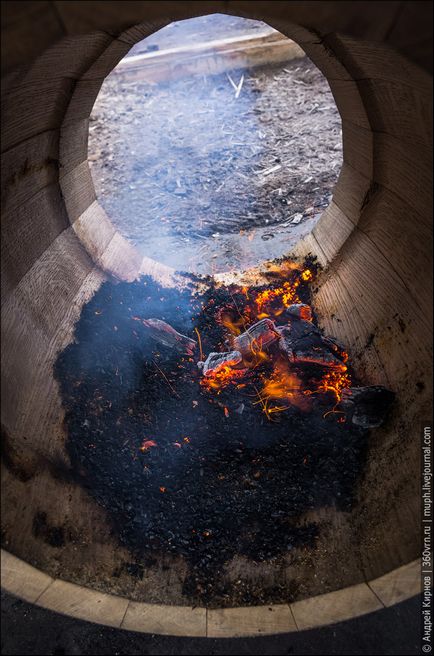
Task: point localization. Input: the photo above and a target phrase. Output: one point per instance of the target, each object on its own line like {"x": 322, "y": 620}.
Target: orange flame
{"x": 284, "y": 385}
{"x": 280, "y": 298}
{"x": 307, "y": 275}
{"x": 235, "y": 326}
{"x": 335, "y": 381}
{"x": 219, "y": 379}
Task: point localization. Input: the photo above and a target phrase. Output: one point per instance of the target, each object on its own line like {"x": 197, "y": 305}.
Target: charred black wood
{"x": 259, "y": 336}
{"x": 164, "y": 334}
{"x": 299, "y": 311}
{"x": 304, "y": 344}
{"x": 300, "y": 329}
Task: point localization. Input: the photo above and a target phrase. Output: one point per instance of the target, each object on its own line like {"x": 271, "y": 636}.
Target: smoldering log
{"x": 299, "y": 311}
{"x": 309, "y": 348}
{"x": 258, "y": 336}
{"x": 216, "y": 361}
{"x": 164, "y": 334}
{"x": 300, "y": 329}
{"x": 318, "y": 356}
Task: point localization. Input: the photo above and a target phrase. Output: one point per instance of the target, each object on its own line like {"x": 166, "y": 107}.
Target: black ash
{"x": 189, "y": 470}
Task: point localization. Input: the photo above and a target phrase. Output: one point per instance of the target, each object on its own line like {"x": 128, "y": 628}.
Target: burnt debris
{"x": 367, "y": 406}
{"x": 164, "y": 334}
{"x": 208, "y": 471}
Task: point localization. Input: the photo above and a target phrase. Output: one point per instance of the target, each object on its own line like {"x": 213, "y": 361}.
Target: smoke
{"x": 201, "y": 171}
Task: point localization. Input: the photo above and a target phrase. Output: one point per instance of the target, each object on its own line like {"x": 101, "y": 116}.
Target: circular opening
{"x": 215, "y": 144}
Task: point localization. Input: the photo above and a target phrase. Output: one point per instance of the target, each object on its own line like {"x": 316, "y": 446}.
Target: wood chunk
{"x": 318, "y": 356}
{"x": 164, "y": 334}
{"x": 299, "y": 311}
{"x": 259, "y": 336}
{"x": 299, "y": 329}
{"x": 305, "y": 346}
{"x": 216, "y": 361}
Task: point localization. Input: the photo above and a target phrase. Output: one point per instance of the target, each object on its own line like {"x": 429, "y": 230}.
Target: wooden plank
{"x": 350, "y": 191}
{"x": 21, "y": 579}
{"x": 411, "y": 33}
{"x": 78, "y": 190}
{"x": 107, "y": 60}
{"x": 73, "y": 145}
{"x": 400, "y": 110}
{"x": 28, "y": 168}
{"x": 208, "y": 58}
{"x": 95, "y": 230}
{"x": 81, "y": 101}
{"x": 254, "y": 620}
{"x": 327, "y": 62}
{"x": 392, "y": 225}
{"x": 142, "y": 30}
{"x": 27, "y": 232}
{"x": 27, "y": 29}
{"x": 340, "y": 315}
{"x": 164, "y": 274}
{"x": 332, "y": 230}
{"x": 405, "y": 170}
{"x": 34, "y": 108}
{"x": 70, "y": 57}
{"x": 164, "y": 620}
{"x": 121, "y": 259}
{"x": 309, "y": 246}
{"x": 391, "y": 316}
{"x": 349, "y": 102}
{"x": 36, "y": 321}
{"x": 358, "y": 148}
{"x": 324, "y": 16}
{"x": 377, "y": 61}
{"x": 399, "y": 584}
{"x": 335, "y": 606}
{"x": 118, "y": 16}
{"x": 387, "y": 526}
{"x": 84, "y": 603}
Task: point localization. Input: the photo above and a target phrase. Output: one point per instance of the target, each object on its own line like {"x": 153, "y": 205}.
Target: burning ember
{"x": 209, "y": 420}
{"x": 291, "y": 358}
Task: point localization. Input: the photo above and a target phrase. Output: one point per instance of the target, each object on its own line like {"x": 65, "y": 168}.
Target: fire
{"x": 282, "y": 388}
{"x": 235, "y": 326}
{"x": 305, "y": 314}
{"x": 274, "y": 301}
{"x": 285, "y": 386}
{"x": 335, "y": 381}
{"x": 217, "y": 380}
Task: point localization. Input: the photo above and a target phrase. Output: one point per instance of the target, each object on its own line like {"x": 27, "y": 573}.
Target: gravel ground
{"x": 206, "y": 182}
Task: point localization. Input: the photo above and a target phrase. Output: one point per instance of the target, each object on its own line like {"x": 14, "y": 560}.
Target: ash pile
{"x": 208, "y": 421}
